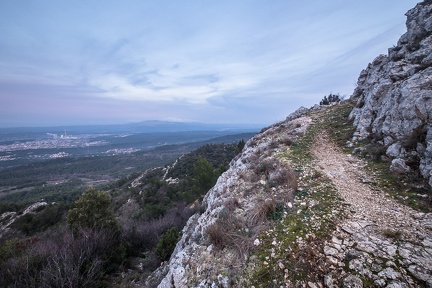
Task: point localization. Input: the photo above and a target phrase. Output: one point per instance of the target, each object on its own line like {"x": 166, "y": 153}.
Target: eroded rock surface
{"x": 394, "y": 96}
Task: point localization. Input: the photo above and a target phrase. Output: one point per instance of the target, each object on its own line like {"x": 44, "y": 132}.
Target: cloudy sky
{"x": 237, "y": 61}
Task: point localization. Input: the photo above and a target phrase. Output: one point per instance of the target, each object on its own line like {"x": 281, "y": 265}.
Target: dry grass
{"x": 230, "y": 231}
{"x": 391, "y": 233}
{"x": 261, "y": 211}
{"x": 231, "y": 204}
{"x": 216, "y": 234}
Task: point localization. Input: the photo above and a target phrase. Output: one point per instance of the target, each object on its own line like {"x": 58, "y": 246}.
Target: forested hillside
{"x": 130, "y": 225}
{"x": 23, "y": 185}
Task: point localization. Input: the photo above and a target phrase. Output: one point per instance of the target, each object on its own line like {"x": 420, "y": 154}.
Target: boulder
{"x": 395, "y": 150}
{"x": 398, "y": 166}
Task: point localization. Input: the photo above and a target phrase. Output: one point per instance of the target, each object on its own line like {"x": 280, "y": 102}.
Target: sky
{"x": 76, "y": 62}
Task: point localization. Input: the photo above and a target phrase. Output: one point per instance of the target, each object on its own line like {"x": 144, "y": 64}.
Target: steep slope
{"x": 394, "y": 97}
{"x": 216, "y": 244}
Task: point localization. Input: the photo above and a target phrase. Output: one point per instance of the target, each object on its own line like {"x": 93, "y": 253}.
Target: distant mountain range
{"x": 140, "y": 127}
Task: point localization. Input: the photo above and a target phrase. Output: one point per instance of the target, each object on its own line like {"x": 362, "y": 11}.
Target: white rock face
{"x": 394, "y": 94}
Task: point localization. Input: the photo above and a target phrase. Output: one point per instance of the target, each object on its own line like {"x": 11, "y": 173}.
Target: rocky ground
{"x": 381, "y": 242}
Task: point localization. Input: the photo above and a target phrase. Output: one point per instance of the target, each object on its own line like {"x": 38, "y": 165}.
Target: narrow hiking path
{"x": 366, "y": 203}
{"x": 381, "y": 243}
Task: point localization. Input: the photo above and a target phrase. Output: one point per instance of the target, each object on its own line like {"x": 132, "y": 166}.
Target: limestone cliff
{"x": 394, "y": 97}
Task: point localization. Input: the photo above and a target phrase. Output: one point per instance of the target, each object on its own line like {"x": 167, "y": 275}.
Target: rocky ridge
{"x": 339, "y": 229}
{"x": 394, "y": 98}
{"x": 296, "y": 210}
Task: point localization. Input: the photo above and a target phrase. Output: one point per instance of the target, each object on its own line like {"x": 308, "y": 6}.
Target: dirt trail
{"x": 378, "y": 227}
{"x": 366, "y": 203}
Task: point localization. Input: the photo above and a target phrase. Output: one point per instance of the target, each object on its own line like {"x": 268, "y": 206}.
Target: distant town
{"x": 48, "y": 142}
{"x": 54, "y": 141}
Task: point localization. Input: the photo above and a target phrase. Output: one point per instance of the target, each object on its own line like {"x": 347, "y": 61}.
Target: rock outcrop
{"x": 394, "y": 97}
{"x": 8, "y": 218}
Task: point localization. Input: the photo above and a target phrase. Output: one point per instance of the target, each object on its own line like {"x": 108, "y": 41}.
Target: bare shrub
{"x": 252, "y": 142}
{"x": 61, "y": 259}
{"x": 265, "y": 167}
{"x": 78, "y": 261}
{"x": 260, "y": 212}
{"x": 263, "y": 130}
{"x": 21, "y": 267}
{"x": 281, "y": 175}
{"x": 253, "y": 159}
{"x": 274, "y": 144}
{"x": 142, "y": 235}
{"x": 286, "y": 140}
{"x": 253, "y": 177}
{"x": 375, "y": 151}
{"x": 229, "y": 231}
{"x": 242, "y": 175}
{"x": 277, "y": 177}
{"x": 277, "y": 174}
{"x": 216, "y": 233}
{"x": 316, "y": 175}
{"x": 292, "y": 179}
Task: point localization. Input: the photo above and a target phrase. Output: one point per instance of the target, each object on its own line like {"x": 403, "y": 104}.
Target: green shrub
{"x": 167, "y": 243}
{"x": 92, "y": 210}
{"x": 240, "y": 146}
{"x": 332, "y": 98}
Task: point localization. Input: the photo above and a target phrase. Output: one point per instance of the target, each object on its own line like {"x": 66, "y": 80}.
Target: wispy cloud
{"x": 232, "y": 60}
